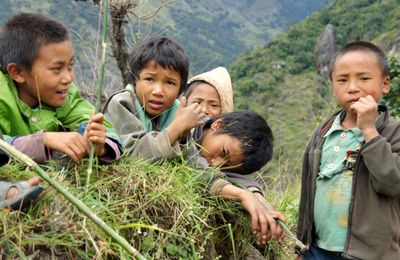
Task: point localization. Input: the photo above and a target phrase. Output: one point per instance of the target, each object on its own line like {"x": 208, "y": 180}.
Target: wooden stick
{"x": 100, "y": 86}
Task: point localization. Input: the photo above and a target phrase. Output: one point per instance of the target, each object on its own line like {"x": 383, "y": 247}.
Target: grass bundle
{"x": 162, "y": 210}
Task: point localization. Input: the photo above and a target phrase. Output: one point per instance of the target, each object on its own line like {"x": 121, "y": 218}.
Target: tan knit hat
{"x": 218, "y": 78}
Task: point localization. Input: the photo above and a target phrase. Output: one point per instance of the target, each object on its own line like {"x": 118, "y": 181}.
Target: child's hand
{"x": 263, "y": 221}
{"x": 280, "y": 234}
{"x": 96, "y": 133}
{"x": 186, "y": 118}
{"x": 366, "y": 110}
{"x": 70, "y": 143}
{"x": 189, "y": 115}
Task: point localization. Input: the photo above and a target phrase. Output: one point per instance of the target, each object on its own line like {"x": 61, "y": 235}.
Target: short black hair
{"x": 362, "y": 46}
{"x": 165, "y": 52}
{"x": 254, "y": 134}
{"x": 22, "y": 37}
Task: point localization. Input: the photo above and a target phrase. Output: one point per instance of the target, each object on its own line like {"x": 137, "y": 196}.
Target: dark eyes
{"x": 224, "y": 153}
{"x": 60, "y": 67}
{"x": 151, "y": 79}
{"x": 345, "y": 80}
{"x": 195, "y": 101}
{"x": 70, "y": 66}
{"x": 171, "y": 83}
{"x": 56, "y": 69}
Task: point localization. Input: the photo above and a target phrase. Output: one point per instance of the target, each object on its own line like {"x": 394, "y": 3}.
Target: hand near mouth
{"x": 366, "y": 112}
{"x": 186, "y": 118}
{"x": 189, "y": 115}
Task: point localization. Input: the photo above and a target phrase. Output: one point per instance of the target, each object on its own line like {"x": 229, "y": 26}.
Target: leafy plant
{"x": 392, "y": 99}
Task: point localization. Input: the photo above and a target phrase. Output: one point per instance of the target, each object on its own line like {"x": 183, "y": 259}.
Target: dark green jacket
{"x": 374, "y": 213}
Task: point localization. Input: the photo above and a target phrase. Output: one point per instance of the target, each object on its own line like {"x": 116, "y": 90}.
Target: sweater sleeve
{"x": 154, "y": 146}
{"x": 113, "y": 151}
{"x": 244, "y": 181}
{"x": 32, "y": 145}
{"x": 382, "y": 160}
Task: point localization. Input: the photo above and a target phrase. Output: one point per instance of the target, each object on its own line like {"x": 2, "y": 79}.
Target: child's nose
{"x": 68, "y": 77}
{"x": 217, "y": 161}
{"x": 353, "y": 86}
{"x": 204, "y": 109}
{"x": 158, "y": 89}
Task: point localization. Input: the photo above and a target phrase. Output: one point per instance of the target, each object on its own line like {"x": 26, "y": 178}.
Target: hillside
{"x": 215, "y": 32}
{"x": 292, "y": 96}
{"x": 211, "y": 36}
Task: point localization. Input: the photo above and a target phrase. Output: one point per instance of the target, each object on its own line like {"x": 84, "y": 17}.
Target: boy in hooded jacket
{"x": 154, "y": 125}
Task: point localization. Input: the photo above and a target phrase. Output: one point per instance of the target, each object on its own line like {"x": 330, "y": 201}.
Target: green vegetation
{"x": 392, "y": 99}
{"x": 163, "y": 211}
{"x": 294, "y": 98}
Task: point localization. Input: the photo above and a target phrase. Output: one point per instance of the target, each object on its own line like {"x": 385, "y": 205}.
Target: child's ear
{"x": 386, "y": 85}
{"x": 16, "y": 73}
{"x": 217, "y": 124}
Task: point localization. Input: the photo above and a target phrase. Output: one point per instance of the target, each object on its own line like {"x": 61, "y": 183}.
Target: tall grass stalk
{"x": 232, "y": 240}
{"x": 100, "y": 87}
{"x": 71, "y": 198}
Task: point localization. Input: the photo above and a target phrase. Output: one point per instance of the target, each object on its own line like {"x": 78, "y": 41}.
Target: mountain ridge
{"x": 213, "y": 33}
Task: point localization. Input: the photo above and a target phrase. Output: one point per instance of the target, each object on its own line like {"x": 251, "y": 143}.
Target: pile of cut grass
{"x": 163, "y": 210}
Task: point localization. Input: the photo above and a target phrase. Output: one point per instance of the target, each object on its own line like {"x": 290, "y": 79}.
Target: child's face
{"x": 221, "y": 150}
{"x": 208, "y": 98}
{"x": 157, "y": 88}
{"x": 358, "y": 74}
{"x": 50, "y": 76}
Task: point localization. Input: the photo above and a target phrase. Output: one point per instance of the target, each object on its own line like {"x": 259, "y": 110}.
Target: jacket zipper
{"x": 351, "y": 206}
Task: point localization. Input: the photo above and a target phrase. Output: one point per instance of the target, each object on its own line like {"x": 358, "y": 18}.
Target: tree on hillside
{"x": 392, "y": 99}
{"x": 121, "y": 11}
